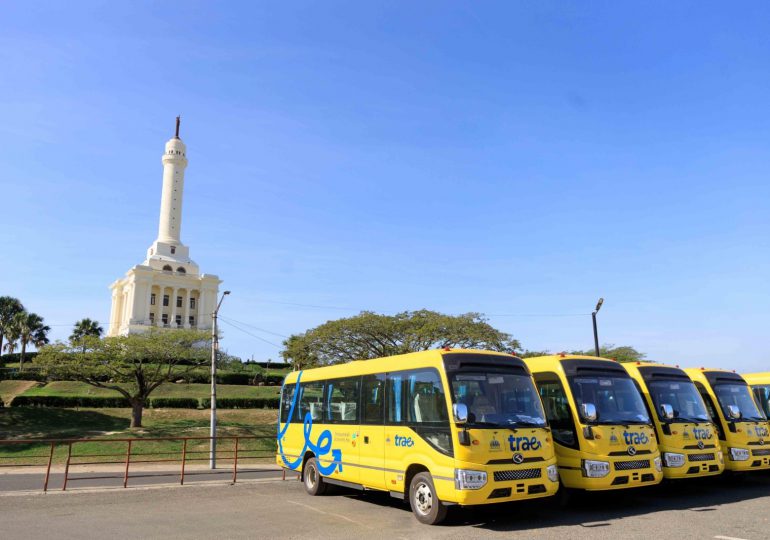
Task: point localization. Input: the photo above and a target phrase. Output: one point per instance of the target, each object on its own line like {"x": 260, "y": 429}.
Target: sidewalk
{"x": 32, "y": 479}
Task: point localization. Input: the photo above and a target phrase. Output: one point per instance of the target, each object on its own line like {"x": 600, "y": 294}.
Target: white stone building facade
{"x": 167, "y": 290}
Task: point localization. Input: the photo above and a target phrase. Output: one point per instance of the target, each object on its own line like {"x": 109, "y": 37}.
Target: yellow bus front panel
{"x": 741, "y": 425}
{"x": 617, "y": 449}
{"x": 688, "y": 441}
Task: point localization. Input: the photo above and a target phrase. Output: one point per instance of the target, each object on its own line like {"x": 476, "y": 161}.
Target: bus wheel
{"x": 425, "y": 503}
{"x": 314, "y": 482}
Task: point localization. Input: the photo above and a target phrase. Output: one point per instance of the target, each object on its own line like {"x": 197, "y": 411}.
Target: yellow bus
{"x": 435, "y": 428}
{"x": 760, "y": 384}
{"x": 687, "y": 438}
{"x": 602, "y": 431}
{"x": 741, "y": 425}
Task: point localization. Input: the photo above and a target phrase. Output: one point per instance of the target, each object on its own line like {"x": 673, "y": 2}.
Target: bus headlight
{"x": 739, "y": 454}
{"x": 657, "y": 463}
{"x": 465, "y": 479}
{"x": 595, "y": 469}
{"x": 720, "y": 456}
{"x": 673, "y": 460}
{"x": 553, "y": 473}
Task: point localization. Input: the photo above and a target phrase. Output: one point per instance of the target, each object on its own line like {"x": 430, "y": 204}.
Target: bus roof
{"x": 430, "y": 358}
{"x": 757, "y": 378}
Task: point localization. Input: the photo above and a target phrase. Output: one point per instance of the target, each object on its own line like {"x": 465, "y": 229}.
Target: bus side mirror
{"x": 666, "y": 411}
{"x": 589, "y": 411}
{"x": 460, "y": 412}
{"x": 734, "y": 412}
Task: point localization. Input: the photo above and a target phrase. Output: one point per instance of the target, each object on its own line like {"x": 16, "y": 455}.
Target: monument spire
{"x": 178, "y": 121}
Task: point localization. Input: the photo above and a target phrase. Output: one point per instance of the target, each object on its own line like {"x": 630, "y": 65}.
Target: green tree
{"x": 371, "y": 335}
{"x": 85, "y": 328}
{"x": 133, "y": 365}
{"x": 9, "y": 307}
{"x": 624, "y": 353}
{"x": 29, "y": 329}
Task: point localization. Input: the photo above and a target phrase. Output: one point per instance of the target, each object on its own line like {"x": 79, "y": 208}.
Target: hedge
{"x": 243, "y": 403}
{"x": 13, "y": 374}
{"x": 69, "y": 401}
{"x": 174, "y": 403}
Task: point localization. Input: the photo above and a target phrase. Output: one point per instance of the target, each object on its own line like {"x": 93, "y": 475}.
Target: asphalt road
{"x": 718, "y": 509}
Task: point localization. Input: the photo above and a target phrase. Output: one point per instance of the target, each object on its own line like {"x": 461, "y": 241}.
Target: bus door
{"x": 342, "y": 416}
{"x": 370, "y": 439}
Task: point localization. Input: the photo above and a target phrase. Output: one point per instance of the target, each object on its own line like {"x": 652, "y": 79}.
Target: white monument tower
{"x": 167, "y": 290}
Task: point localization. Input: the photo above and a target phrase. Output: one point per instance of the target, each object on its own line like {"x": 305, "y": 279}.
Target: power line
{"x": 252, "y": 335}
{"x": 252, "y": 326}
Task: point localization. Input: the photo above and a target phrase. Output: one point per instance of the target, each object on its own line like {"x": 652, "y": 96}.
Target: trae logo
{"x": 407, "y": 442}
{"x": 632, "y": 437}
{"x": 761, "y": 431}
{"x": 524, "y": 443}
{"x": 702, "y": 434}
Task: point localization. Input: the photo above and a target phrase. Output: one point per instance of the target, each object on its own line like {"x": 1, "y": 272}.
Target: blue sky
{"x": 519, "y": 159}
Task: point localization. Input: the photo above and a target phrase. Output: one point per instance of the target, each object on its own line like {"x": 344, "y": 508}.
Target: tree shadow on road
{"x": 600, "y": 509}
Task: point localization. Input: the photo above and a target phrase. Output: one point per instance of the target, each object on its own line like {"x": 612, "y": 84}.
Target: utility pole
{"x": 214, "y": 353}
{"x": 596, "y": 333}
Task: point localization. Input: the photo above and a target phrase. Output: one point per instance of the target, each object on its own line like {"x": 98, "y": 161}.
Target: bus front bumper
{"x": 506, "y": 483}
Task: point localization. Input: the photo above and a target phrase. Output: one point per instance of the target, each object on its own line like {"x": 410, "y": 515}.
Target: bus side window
{"x": 426, "y": 401}
{"x": 557, "y": 410}
{"x": 711, "y": 409}
{"x": 287, "y": 396}
{"x": 372, "y": 399}
{"x": 394, "y": 399}
{"x": 342, "y": 400}
{"x": 311, "y": 400}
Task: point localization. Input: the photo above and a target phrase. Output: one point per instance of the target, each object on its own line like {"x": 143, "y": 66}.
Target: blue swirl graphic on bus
{"x": 320, "y": 448}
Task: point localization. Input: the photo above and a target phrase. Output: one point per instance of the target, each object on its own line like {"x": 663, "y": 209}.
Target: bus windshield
{"x": 616, "y": 399}
{"x": 740, "y": 396}
{"x": 682, "y": 396}
{"x": 498, "y": 399}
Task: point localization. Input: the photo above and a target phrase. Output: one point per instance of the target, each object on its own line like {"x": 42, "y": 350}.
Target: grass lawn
{"x": 70, "y": 388}
{"x": 9, "y": 389}
{"x": 53, "y": 423}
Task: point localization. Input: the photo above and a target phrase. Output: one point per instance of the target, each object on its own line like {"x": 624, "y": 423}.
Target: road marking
{"x": 330, "y": 514}
{"x": 728, "y": 538}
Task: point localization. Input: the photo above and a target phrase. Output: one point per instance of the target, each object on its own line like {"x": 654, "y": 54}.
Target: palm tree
{"x": 85, "y": 328}
{"x": 30, "y": 330}
{"x": 9, "y": 307}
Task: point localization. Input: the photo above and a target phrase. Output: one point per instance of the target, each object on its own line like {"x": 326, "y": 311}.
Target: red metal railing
{"x": 189, "y": 452}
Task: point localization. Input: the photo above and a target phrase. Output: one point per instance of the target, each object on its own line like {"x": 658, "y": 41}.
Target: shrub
{"x": 13, "y": 374}
{"x": 243, "y": 403}
{"x": 174, "y": 403}
{"x": 69, "y": 401}
{"x": 234, "y": 377}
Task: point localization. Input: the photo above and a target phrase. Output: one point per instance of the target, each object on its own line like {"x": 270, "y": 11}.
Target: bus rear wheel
{"x": 425, "y": 503}
{"x": 314, "y": 482}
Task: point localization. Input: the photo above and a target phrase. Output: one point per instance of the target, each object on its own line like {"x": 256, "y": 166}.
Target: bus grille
{"x": 520, "y": 474}
{"x": 630, "y": 465}
{"x": 701, "y": 457}
{"x": 764, "y": 452}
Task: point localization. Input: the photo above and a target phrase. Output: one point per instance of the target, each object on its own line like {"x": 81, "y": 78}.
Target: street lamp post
{"x": 214, "y": 351}
{"x": 596, "y": 333}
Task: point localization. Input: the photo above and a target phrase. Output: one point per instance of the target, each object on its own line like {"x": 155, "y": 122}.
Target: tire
{"x": 426, "y": 506}
{"x": 311, "y": 477}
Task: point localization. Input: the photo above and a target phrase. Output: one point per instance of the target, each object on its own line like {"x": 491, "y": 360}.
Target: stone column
{"x": 149, "y": 305}
{"x": 159, "y": 303}
{"x": 186, "y": 320}
{"x": 172, "y": 319}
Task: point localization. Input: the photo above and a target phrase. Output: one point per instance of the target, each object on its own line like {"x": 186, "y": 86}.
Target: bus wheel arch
{"x": 410, "y": 473}
{"x": 306, "y": 457}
